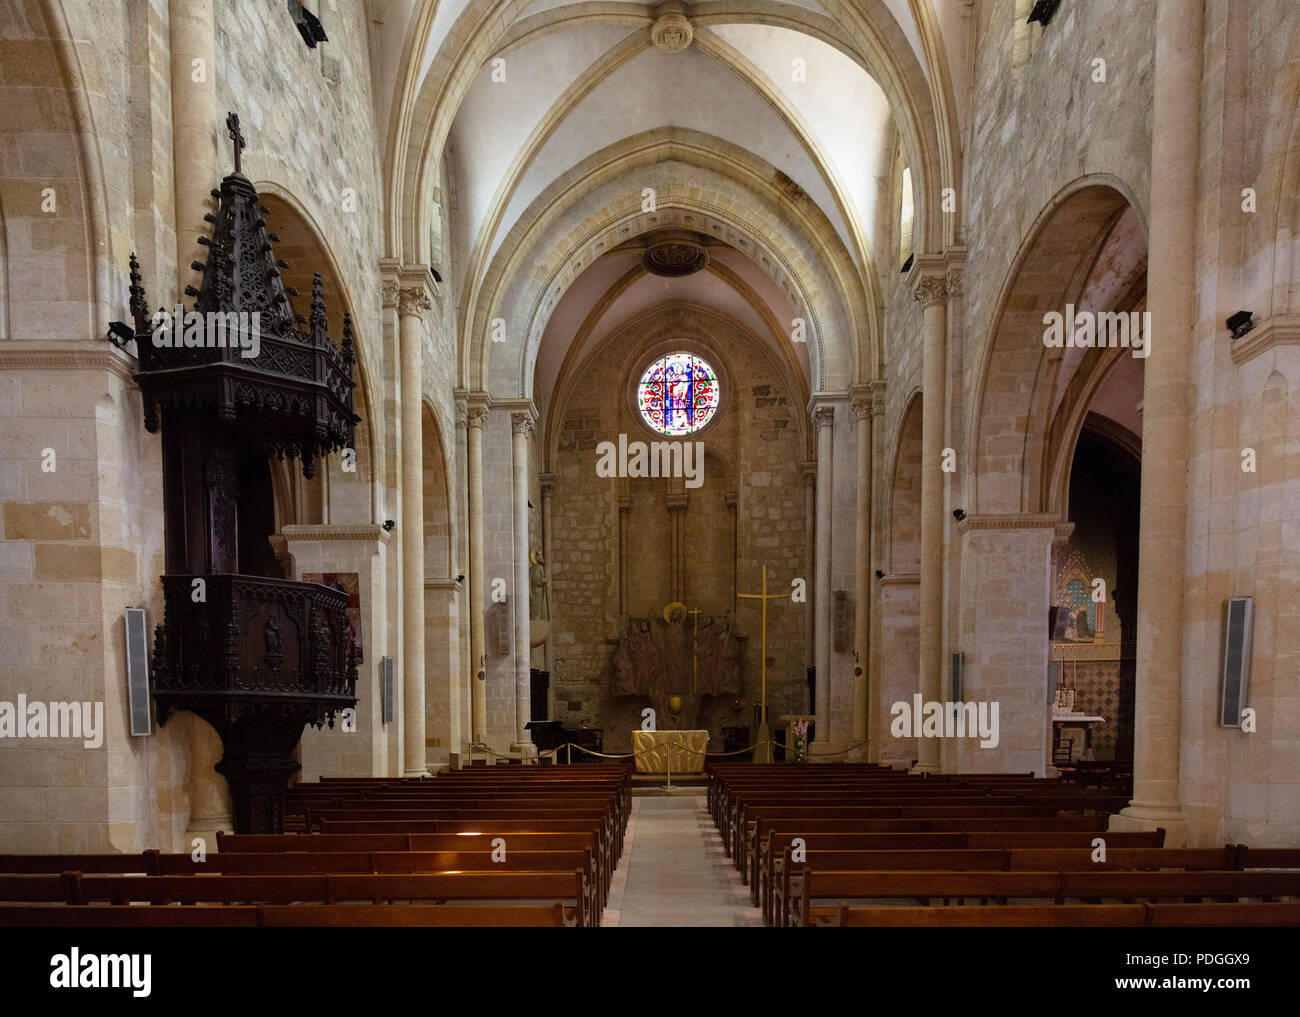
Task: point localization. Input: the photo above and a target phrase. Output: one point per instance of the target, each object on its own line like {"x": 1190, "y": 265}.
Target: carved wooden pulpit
{"x": 256, "y": 655}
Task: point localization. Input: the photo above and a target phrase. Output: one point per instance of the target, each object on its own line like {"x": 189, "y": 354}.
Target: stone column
{"x": 861, "y": 402}
{"x": 412, "y": 303}
{"x": 624, "y": 510}
{"x": 931, "y": 292}
{"x": 676, "y": 502}
{"x": 196, "y": 168}
{"x": 731, "y": 499}
{"x": 476, "y": 416}
{"x": 877, "y": 709}
{"x": 195, "y": 171}
{"x": 462, "y": 556}
{"x": 548, "y": 492}
{"x": 823, "y": 420}
{"x": 1171, "y": 288}
{"x": 810, "y": 560}
{"x": 522, "y": 428}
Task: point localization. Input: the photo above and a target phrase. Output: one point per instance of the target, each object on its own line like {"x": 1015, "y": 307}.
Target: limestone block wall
{"x": 1036, "y": 127}
{"x": 370, "y": 749}
{"x": 753, "y": 448}
{"x": 1006, "y": 656}
{"x": 1242, "y": 526}
{"x": 81, "y": 542}
{"x": 498, "y": 539}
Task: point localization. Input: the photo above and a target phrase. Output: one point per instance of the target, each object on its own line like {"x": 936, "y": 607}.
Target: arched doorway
{"x": 1049, "y": 549}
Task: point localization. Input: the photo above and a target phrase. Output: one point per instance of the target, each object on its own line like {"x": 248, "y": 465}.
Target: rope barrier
{"x": 681, "y": 747}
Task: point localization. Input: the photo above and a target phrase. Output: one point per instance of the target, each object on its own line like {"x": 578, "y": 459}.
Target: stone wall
{"x": 754, "y": 448}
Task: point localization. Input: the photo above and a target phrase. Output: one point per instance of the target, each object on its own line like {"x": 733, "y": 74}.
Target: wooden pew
{"x": 787, "y": 876}
{"x": 1010, "y": 915}
{"x": 1056, "y": 887}
{"x": 280, "y": 916}
{"x": 1005, "y": 833}
{"x": 1075, "y": 915}
{"x": 78, "y": 889}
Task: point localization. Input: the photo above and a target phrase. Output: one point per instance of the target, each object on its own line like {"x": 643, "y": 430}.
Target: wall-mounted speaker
{"x": 1236, "y": 660}
{"x": 956, "y": 677}
{"x": 387, "y": 664}
{"x": 137, "y": 671}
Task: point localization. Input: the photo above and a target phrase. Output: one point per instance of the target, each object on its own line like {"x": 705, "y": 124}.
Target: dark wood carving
{"x": 256, "y": 655}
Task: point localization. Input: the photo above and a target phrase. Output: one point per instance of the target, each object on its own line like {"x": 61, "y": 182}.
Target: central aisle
{"x": 673, "y": 871}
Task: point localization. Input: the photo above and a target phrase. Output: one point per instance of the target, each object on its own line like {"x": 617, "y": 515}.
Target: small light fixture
{"x": 959, "y": 514}
{"x": 1240, "y": 323}
{"x": 1043, "y": 11}
{"x": 880, "y": 574}
{"x": 389, "y": 524}
{"x": 120, "y": 334}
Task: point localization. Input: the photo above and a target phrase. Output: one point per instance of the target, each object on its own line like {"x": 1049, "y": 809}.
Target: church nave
{"x": 673, "y": 872}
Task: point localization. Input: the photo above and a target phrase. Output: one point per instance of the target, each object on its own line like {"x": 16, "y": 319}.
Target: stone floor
{"x": 673, "y": 871}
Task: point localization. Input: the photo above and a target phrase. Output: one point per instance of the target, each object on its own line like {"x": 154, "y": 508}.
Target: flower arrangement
{"x": 799, "y": 741}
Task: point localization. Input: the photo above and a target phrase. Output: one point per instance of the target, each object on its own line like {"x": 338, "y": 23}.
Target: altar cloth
{"x": 657, "y": 750}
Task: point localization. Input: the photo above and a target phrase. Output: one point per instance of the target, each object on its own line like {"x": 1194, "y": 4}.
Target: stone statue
{"x": 538, "y": 607}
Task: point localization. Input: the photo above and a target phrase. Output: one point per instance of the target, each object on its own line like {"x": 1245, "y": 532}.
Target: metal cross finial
{"x": 232, "y": 128}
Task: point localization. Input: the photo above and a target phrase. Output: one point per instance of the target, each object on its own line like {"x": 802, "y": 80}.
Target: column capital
{"x": 460, "y": 407}
{"x": 929, "y": 290}
{"x": 861, "y": 400}
{"x": 390, "y": 290}
{"x": 809, "y": 472}
{"x": 823, "y": 416}
{"x": 547, "y": 481}
{"x": 935, "y": 277}
{"x": 522, "y": 423}
{"x": 477, "y": 405}
{"x": 413, "y": 301}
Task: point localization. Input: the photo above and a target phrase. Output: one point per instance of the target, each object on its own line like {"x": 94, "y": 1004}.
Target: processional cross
{"x": 764, "y": 754}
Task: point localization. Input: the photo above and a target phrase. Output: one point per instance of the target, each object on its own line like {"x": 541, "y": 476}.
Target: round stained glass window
{"x": 678, "y": 394}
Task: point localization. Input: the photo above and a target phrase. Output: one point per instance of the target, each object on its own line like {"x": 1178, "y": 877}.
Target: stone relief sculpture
{"x": 673, "y": 660}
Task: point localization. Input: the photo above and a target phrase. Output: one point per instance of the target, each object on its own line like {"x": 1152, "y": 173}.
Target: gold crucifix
{"x": 695, "y": 649}
{"x": 764, "y": 754}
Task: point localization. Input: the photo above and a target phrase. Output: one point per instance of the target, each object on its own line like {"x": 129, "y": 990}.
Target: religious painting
{"x": 1079, "y": 618}
{"x": 348, "y": 583}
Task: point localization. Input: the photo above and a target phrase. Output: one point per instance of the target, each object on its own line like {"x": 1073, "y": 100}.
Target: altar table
{"x": 657, "y": 750}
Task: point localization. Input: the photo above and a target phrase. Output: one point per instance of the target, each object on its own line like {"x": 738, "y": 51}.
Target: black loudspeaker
{"x": 387, "y": 664}
{"x": 137, "y": 672}
{"x": 1236, "y": 660}
{"x": 956, "y": 677}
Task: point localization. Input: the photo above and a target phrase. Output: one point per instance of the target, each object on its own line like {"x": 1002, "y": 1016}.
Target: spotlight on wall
{"x": 434, "y": 272}
{"x": 120, "y": 333}
{"x": 389, "y": 524}
{"x": 880, "y": 574}
{"x": 1240, "y": 323}
{"x": 460, "y": 578}
{"x": 959, "y": 514}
